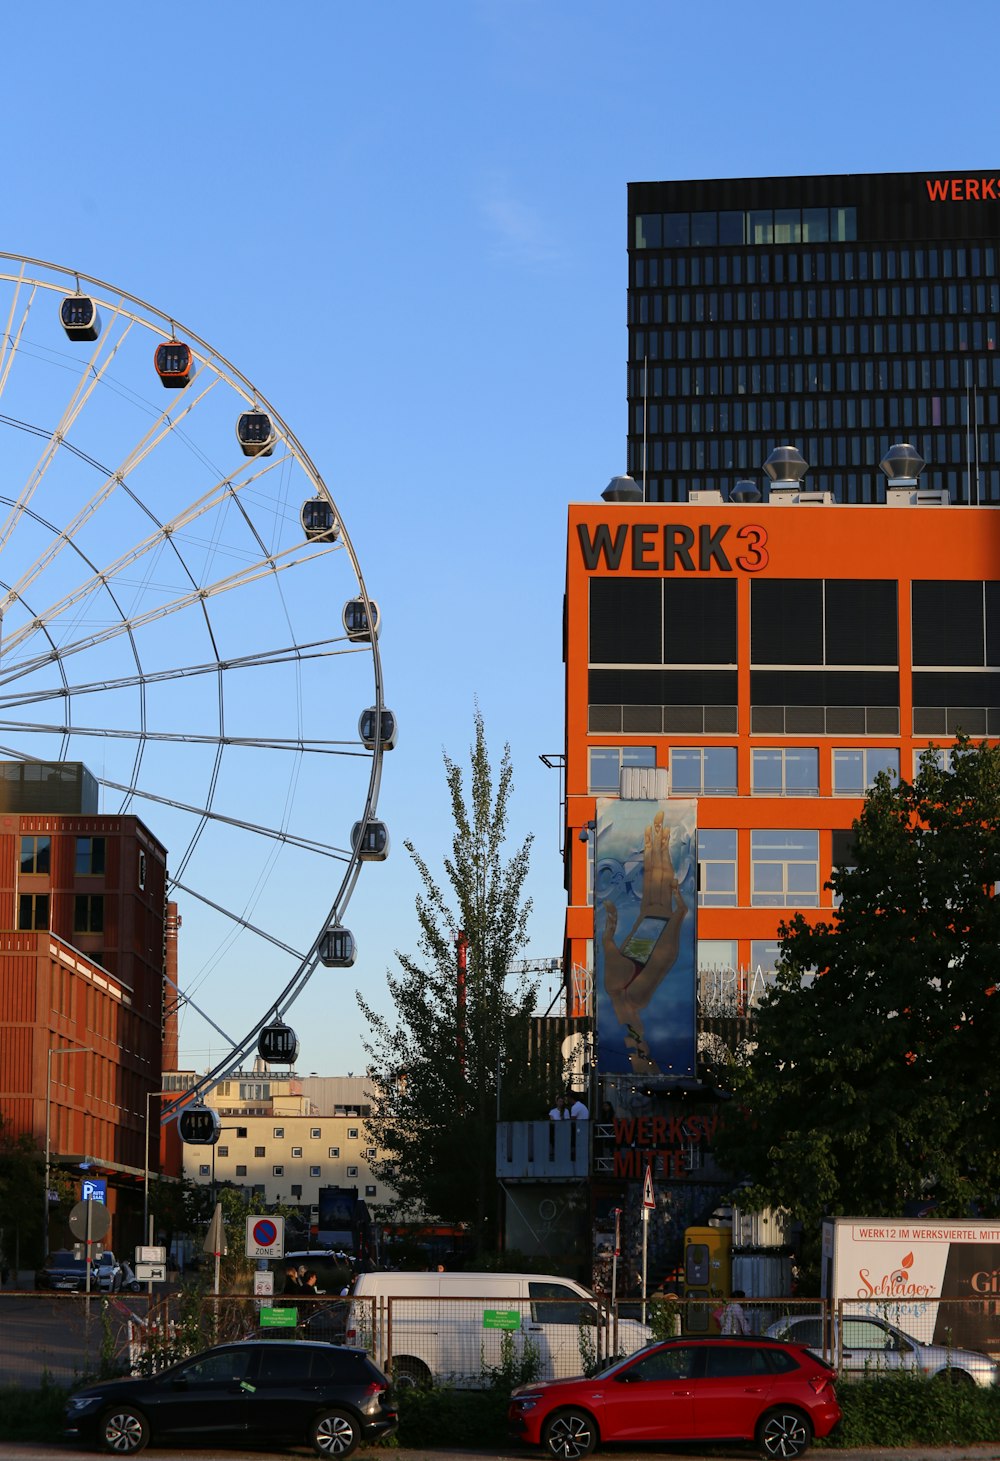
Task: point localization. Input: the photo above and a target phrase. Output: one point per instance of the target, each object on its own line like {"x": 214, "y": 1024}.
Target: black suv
{"x": 256, "y": 1392}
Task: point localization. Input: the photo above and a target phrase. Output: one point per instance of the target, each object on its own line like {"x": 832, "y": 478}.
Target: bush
{"x": 32, "y": 1415}
{"x": 903, "y": 1409}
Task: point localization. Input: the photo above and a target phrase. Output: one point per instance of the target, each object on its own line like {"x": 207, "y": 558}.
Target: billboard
{"x": 645, "y": 902}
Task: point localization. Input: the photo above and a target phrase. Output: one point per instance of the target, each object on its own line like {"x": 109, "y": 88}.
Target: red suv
{"x": 722, "y": 1389}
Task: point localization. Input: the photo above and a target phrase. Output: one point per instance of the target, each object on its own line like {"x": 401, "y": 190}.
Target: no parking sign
{"x": 265, "y": 1237}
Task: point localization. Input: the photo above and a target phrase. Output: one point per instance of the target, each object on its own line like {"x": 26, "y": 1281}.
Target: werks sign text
{"x": 649, "y": 548}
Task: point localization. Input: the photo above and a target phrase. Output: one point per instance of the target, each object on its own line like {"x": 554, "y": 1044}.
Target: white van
{"x": 451, "y": 1327}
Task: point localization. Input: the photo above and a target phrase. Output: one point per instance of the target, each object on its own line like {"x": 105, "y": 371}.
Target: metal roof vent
{"x": 902, "y": 464}
{"x": 622, "y": 489}
{"x": 786, "y": 466}
{"x": 745, "y": 490}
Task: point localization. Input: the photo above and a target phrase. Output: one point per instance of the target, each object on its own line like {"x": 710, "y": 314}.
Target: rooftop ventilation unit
{"x": 622, "y": 489}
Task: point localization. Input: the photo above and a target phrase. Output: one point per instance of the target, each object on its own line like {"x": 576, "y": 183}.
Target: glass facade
{"x": 839, "y": 315}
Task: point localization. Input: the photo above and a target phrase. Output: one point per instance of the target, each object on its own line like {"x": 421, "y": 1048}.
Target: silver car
{"x": 106, "y": 1273}
{"x": 874, "y": 1344}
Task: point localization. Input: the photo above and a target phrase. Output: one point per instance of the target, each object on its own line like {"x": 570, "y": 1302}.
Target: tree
{"x": 434, "y": 1070}
{"x": 872, "y": 1081}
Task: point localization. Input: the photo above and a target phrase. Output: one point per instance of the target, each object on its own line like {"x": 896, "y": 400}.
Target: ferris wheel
{"x": 183, "y": 612}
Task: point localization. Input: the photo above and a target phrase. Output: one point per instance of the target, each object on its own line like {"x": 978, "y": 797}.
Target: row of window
{"x": 88, "y": 912}
{"x": 353, "y": 1134}
{"x": 774, "y": 771}
{"x": 746, "y": 453}
{"x": 948, "y": 261}
{"x": 205, "y": 1170}
{"x": 784, "y": 867}
{"x": 36, "y": 855}
{"x": 786, "y": 344}
{"x": 864, "y": 306}
{"x": 750, "y": 226}
{"x": 816, "y": 625}
{"x": 711, "y": 419}
{"x": 711, "y": 342}
{"x": 862, "y": 488}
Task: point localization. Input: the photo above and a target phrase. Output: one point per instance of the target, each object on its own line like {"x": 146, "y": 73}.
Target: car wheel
{"x": 783, "y": 1434}
{"x": 124, "y": 1431}
{"x": 334, "y": 1433}
{"x": 410, "y": 1374}
{"x": 960, "y": 1379}
{"x": 569, "y": 1434}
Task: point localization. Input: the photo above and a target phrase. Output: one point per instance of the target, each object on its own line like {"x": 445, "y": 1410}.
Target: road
{"x": 25, "y": 1451}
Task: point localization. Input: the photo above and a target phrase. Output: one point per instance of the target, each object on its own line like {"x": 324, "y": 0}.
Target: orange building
{"x": 84, "y": 1010}
{"x": 765, "y": 660}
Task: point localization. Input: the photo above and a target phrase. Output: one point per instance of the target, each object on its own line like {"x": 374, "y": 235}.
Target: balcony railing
{"x": 543, "y": 1149}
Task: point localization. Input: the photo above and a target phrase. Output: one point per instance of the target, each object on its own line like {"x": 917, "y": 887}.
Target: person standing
{"x": 558, "y": 1111}
{"x": 578, "y": 1111}
{"x": 735, "y": 1319}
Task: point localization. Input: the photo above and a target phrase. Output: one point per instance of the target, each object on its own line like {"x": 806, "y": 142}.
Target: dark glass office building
{"x": 836, "y": 314}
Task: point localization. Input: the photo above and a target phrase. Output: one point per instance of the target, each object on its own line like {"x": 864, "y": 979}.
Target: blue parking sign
{"x": 94, "y": 1189}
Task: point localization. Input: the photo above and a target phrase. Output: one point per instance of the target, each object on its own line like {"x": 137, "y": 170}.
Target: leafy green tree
{"x": 435, "y": 1067}
{"x": 872, "y": 1080}
{"x": 22, "y": 1175}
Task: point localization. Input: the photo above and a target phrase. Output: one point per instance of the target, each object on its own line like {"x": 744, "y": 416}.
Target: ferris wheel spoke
{"x": 237, "y": 919}
{"x": 207, "y": 814}
{"x": 11, "y": 341}
{"x": 291, "y": 558}
{"x": 90, "y": 379}
{"x": 160, "y": 428}
{"x": 180, "y": 738}
{"x": 165, "y": 533}
{"x": 267, "y": 658}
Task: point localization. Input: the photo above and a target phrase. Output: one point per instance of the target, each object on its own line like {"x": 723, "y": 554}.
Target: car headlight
{"x": 526, "y": 1402}
{"x": 76, "y": 1403}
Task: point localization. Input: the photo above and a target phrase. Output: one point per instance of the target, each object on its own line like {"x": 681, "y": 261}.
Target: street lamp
{"x": 56, "y": 1050}
{"x": 147, "y": 1236}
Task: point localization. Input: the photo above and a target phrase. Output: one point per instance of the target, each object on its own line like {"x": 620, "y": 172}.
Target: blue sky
{"x": 406, "y": 223}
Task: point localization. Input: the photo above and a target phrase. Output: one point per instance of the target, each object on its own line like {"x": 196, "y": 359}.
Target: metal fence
{"x": 469, "y": 1342}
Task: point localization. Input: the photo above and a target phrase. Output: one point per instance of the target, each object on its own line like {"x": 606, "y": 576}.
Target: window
{"x": 784, "y": 869}
{"x": 89, "y": 856}
{"x": 259, "y": 1151}
{"x": 942, "y": 757}
{"x": 315, "y": 1134}
{"x": 88, "y": 913}
{"x": 222, "y": 1151}
{"x": 279, "y": 1133}
{"x": 296, "y": 1189}
{"x": 35, "y": 854}
{"x": 352, "y": 1133}
{"x": 785, "y": 772}
{"x": 854, "y": 771}
{"x": 142, "y": 869}
{"x": 241, "y": 1170}
{"x": 278, "y": 1170}
{"x": 370, "y": 1189}
{"x": 204, "y": 1170}
{"x": 334, "y": 1151}
{"x": 314, "y": 1172}
{"x": 33, "y": 910}
{"x": 352, "y": 1171}
{"x": 606, "y": 764}
{"x": 241, "y": 1131}
{"x": 716, "y": 868}
{"x": 703, "y": 771}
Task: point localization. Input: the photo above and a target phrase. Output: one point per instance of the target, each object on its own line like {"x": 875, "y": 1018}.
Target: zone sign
{"x": 265, "y": 1237}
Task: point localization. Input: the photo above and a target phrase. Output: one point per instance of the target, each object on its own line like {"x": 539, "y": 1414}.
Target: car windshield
{"x": 64, "y": 1260}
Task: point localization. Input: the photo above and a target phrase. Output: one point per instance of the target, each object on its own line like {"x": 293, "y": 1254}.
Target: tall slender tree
{"x": 457, "y": 1032}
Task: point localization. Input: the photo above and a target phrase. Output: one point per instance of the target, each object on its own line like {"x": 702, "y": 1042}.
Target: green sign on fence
{"x": 501, "y": 1319}
{"x": 278, "y": 1318}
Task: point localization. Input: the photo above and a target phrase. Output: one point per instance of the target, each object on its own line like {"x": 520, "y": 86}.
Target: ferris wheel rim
{"x": 140, "y": 312}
